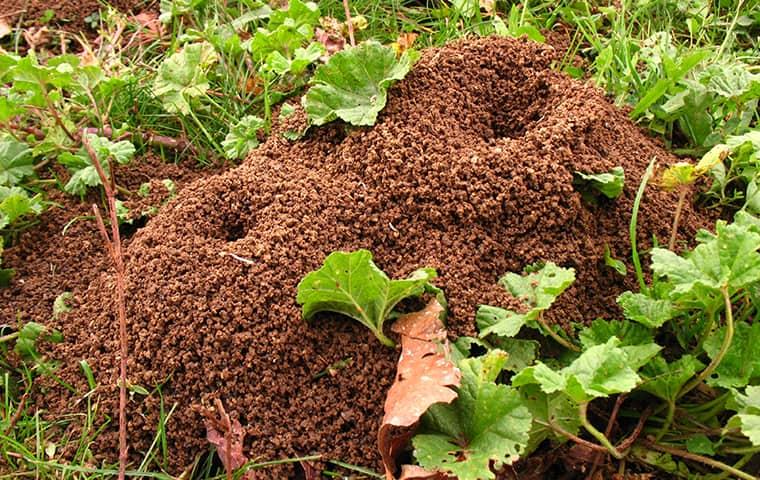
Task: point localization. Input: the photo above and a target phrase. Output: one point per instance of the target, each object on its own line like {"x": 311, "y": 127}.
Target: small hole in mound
{"x": 129, "y": 229}
{"x": 519, "y": 113}
{"x": 235, "y": 231}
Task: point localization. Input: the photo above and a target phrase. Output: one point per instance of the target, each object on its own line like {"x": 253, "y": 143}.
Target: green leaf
{"x": 84, "y": 173}
{"x": 302, "y": 58}
{"x": 600, "y": 371}
{"x": 522, "y": 353}
{"x": 16, "y": 161}
{"x": 609, "y": 184}
{"x": 614, "y": 263}
{"x": 15, "y": 203}
{"x": 30, "y": 334}
{"x": 741, "y": 362}
{"x": 600, "y": 331}
{"x": 60, "y": 306}
{"x": 729, "y": 258}
{"x": 498, "y": 321}
{"x": 538, "y": 289}
{"x": 747, "y": 418}
{"x": 243, "y": 137}
{"x": 549, "y": 409}
{"x": 700, "y": 444}
{"x": 665, "y": 380}
{"x": 182, "y": 76}
{"x": 6, "y": 274}
{"x": 351, "y": 284}
{"x": 175, "y": 8}
{"x": 353, "y": 84}
{"x": 650, "y": 312}
{"x": 486, "y": 423}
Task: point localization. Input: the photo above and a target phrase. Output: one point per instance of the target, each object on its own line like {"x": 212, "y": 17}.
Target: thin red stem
{"x": 113, "y": 247}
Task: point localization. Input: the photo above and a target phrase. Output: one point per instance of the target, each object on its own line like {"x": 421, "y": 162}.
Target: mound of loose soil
{"x": 69, "y": 14}
{"x": 64, "y": 252}
{"x": 468, "y": 170}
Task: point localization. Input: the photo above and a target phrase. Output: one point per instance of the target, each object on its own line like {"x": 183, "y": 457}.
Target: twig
{"x": 607, "y": 432}
{"x": 113, "y": 247}
{"x": 147, "y": 137}
{"x": 574, "y": 438}
{"x": 677, "y": 218}
{"x": 699, "y": 458}
{"x": 350, "y": 23}
{"x": 554, "y": 334}
{"x": 628, "y": 442}
{"x": 17, "y": 414}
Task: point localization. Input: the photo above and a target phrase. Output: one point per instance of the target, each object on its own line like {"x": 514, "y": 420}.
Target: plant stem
{"x": 634, "y": 221}
{"x": 723, "y": 348}
{"x": 668, "y": 421}
{"x": 554, "y": 334}
{"x": 9, "y": 337}
{"x": 582, "y": 411}
{"x": 113, "y": 247}
{"x": 677, "y": 218}
{"x": 383, "y": 339}
{"x": 699, "y": 458}
{"x": 350, "y": 23}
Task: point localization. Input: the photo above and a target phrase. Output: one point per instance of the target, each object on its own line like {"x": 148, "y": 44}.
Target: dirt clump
{"x": 71, "y": 15}
{"x": 64, "y": 252}
{"x": 469, "y": 170}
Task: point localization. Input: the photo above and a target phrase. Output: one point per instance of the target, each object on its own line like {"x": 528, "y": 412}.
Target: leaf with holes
{"x": 486, "y": 425}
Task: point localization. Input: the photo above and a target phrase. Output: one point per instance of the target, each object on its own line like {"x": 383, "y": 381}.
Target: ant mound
{"x": 469, "y": 170}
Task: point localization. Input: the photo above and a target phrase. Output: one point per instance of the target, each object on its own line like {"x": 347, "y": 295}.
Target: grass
{"x": 636, "y": 51}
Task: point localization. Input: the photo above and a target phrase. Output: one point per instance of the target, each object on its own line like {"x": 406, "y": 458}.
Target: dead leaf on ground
{"x": 35, "y": 37}
{"x": 332, "y": 42}
{"x": 227, "y": 436}
{"x": 151, "y": 27}
{"x": 488, "y": 6}
{"x": 424, "y": 376}
{"x": 5, "y": 28}
{"x": 404, "y": 42}
{"x": 415, "y": 472}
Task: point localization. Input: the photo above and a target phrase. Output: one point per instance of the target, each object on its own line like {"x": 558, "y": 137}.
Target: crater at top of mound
{"x": 468, "y": 170}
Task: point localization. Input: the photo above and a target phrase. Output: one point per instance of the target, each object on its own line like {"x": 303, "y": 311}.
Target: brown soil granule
{"x": 469, "y": 170}
{"x": 68, "y": 14}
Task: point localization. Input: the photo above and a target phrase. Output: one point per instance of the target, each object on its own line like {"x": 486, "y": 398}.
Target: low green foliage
{"x": 705, "y": 298}
{"x": 538, "y": 289}
{"x": 6, "y": 274}
{"x": 610, "y": 184}
{"x": 351, "y": 284}
{"x": 243, "y": 137}
{"x": 83, "y": 172}
{"x": 486, "y": 425}
{"x": 353, "y": 84}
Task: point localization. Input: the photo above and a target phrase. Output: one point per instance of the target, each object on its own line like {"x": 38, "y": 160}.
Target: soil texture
{"x": 68, "y": 14}
{"x": 469, "y": 170}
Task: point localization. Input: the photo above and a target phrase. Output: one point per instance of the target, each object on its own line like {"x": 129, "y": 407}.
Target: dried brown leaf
{"x": 151, "y": 27}
{"x": 415, "y": 472}
{"x": 5, "y": 28}
{"x": 227, "y": 436}
{"x": 333, "y": 42}
{"x": 424, "y": 376}
{"x": 404, "y": 42}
